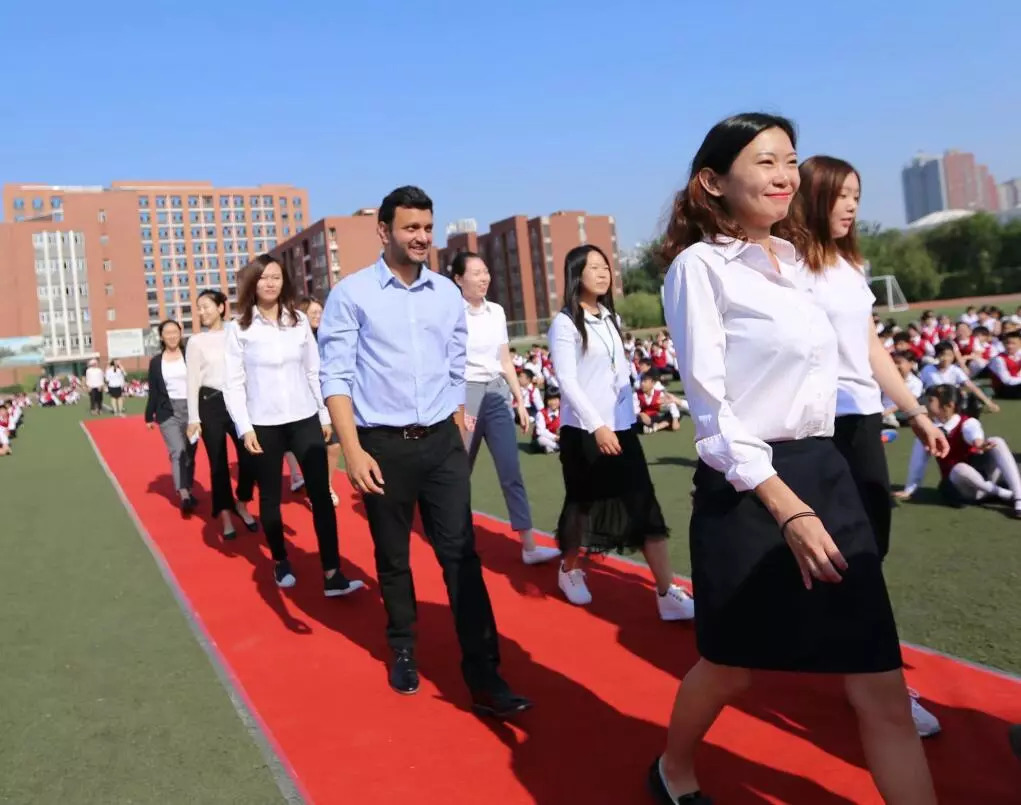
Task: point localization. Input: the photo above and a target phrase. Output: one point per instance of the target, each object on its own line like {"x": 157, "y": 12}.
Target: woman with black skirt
{"x": 272, "y": 394}
{"x": 609, "y": 500}
{"x": 208, "y": 417}
{"x": 167, "y": 407}
{"x": 784, "y": 561}
{"x": 822, "y": 228}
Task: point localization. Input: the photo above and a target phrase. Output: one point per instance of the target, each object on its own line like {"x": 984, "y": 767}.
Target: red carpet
{"x": 603, "y": 677}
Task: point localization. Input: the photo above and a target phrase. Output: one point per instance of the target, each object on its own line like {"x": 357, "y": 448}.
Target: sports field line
{"x": 988, "y": 669}
{"x": 281, "y": 770}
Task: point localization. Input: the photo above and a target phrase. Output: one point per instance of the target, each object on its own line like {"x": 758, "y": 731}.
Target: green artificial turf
{"x": 105, "y": 695}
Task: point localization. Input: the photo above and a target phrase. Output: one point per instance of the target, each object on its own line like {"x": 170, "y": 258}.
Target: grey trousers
{"x": 489, "y": 403}
{"x": 182, "y": 452}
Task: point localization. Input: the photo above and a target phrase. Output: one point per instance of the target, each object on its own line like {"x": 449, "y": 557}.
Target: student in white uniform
{"x": 609, "y": 501}
{"x": 167, "y": 407}
{"x": 822, "y": 227}
{"x": 208, "y": 417}
{"x": 784, "y": 563}
{"x": 272, "y": 393}
{"x": 492, "y": 382}
{"x": 115, "y": 386}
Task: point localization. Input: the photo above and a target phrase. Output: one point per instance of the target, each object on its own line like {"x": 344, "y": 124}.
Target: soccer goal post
{"x": 889, "y": 296}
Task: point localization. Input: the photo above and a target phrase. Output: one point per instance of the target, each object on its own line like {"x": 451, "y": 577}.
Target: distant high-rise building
{"x": 924, "y": 187}
{"x": 525, "y": 257}
{"x": 92, "y": 270}
{"x": 1010, "y": 194}
{"x": 954, "y": 181}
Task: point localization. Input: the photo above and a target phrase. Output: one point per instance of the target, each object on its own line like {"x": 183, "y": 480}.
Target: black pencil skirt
{"x": 753, "y": 610}
{"x": 859, "y": 438}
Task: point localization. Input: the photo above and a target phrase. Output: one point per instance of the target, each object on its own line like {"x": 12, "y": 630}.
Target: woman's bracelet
{"x": 918, "y": 410}
{"x": 794, "y": 517}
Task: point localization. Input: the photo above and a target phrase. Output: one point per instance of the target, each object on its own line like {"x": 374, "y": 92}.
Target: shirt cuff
{"x": 460, "y": 392}
{"x": 336, "y": 387}
{"x": 744, "y": 471}
{"x": 324, "y": 416}
{"x": 243, "y": 426}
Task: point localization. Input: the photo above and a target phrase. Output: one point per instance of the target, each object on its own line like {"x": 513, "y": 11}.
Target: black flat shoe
{"x": 229, "y": 535}
{"x": 188, "y": 505}
{"x": 403, "y": 675}
{"x": 499, "y": 701}
{"x": 252, "y": 525}
{"x": 659, "y": 791}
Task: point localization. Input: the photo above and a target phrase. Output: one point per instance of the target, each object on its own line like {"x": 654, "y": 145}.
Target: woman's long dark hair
{"x": 574, "y": 265}
{"x": 696, "y": 213}
{"x": 250, "y": 280}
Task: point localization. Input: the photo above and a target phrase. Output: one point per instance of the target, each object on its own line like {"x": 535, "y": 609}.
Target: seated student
{"x": 531, "y": 391}
{"x": 640, "y": 368}
{"x": 984, "y": 349}
{"x": 947, "y": 371}
{"x": 657, "y": 410}
{"x": 905, "y": 363}
{"x": 1005, "y": 368}
{"x": 975, "y": 467}
{"x": 546, "y": 435}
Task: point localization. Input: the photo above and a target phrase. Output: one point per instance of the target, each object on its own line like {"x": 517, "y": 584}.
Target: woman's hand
{"x": 523, "y": 420}
{"x": 607, "y": 442}
{"x": 932, "y": 438}
{"x": 327, "y": 433}
{"x": 150, "y": 425}
{"x": 902, "y": 494}
{"x": 251, "y": 443}
{"x": 993, "y": 407}
{"x": 813, "y": 547}
{"x": 194, "y": 430}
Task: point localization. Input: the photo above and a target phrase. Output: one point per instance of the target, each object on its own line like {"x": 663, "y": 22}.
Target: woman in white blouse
{"x": 609, "y": 501}
{"x": 784, "y": 562}
{"x": 115, "y": 386}
{"x": 208, "y": 417}
{"x": 492, "y": 381}
{"x": 822, "y": 227}
{"x": 272, "y": 394}
{"x": 167, "y": 407}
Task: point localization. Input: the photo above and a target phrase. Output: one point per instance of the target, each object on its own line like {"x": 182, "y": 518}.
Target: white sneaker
{"x": 572, "y": 582}
{"x": 297, "y": 483}
{"x": 676, "y": 605}
{"x": 538, "y": 555}
{"x": 925, "y": 722}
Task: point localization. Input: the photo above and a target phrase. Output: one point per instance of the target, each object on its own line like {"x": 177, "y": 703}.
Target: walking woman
{"x": 822, "y": 228}
{"x": 492, "y": 381}
{"x": 609, "y": 500}
{"x": 272, "y": 393}
{"x": 167, "y": 406}
{"x": 784, "y": 561}
{"x": 207, "y": 414}
{"x": 313, "y": 309}
{"x": 115, "y": 386}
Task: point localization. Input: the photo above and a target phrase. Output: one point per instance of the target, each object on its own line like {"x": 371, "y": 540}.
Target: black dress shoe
{"x": 659, "y": 791}
{"x": 499, "y": 701}
{"x": 188, "y": 505}
{"x": 404, "y": 672}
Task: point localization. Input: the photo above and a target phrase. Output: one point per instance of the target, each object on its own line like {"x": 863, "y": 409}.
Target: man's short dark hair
{"x": 408, "y": 196}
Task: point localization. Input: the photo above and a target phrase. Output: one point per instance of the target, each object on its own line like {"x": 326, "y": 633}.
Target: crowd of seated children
{"x": 656, "y": 353}
{"x": 53, "y": 391}
{"x": 12, "y": 417}
{"x": 546, "y": 433}
{"x": 977, "y": 469}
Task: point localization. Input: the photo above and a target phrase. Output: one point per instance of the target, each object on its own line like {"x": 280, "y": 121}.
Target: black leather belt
{"x": 411, "y": 432}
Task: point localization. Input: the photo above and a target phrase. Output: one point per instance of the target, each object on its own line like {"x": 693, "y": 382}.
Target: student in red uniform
{"x": 546, "y": 435}
{"x": 1006, "y": 367}
{"x": 657, "y": 410}
{"x": 976, "y": 469}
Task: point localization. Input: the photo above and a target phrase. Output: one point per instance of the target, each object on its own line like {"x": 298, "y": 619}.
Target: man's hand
{"x": 363, "y": 472}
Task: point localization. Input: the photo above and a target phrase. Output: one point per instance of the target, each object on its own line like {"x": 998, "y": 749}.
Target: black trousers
{"x": 433, "y": 472}
{"x": 96, "y": 399}
{"x": 305, "y": 439}
{"x": 859, "y": 438}
{"x": 216, "y": 428}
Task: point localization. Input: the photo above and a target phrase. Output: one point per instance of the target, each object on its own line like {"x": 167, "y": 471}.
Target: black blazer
{"x": 158, "y": 407}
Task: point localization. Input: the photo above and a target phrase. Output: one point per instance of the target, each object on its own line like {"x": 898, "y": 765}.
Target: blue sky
{"x": 495, "y": 109}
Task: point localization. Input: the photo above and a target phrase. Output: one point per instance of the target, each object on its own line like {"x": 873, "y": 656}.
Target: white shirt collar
{"x": 285, "y": 317}
{"x": 471, "y": 311}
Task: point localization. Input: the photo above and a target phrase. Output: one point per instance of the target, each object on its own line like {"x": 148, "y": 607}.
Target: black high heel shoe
{"x": 252, "y": 525}
{"x": 658, "y": 789}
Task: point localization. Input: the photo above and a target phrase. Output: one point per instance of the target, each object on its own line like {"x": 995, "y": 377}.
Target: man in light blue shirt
{"x": 392, "y": 339}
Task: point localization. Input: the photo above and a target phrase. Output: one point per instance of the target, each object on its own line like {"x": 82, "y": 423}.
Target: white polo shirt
{"x": 487, "y": 334}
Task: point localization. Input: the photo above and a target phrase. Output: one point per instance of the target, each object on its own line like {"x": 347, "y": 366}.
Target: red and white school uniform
{"x": 547, "y": 430}
{"x": 1006, "y": 371}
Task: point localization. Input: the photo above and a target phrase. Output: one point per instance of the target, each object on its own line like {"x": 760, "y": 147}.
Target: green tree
{"x": 906, "y": 258}
{"x": 639, "y": 310}
{"x": 971, "y": 248}
{"x": 646, "y": 275}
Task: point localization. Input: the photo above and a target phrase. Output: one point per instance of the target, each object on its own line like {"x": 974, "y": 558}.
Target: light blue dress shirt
{"x": 397, "y": 351}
